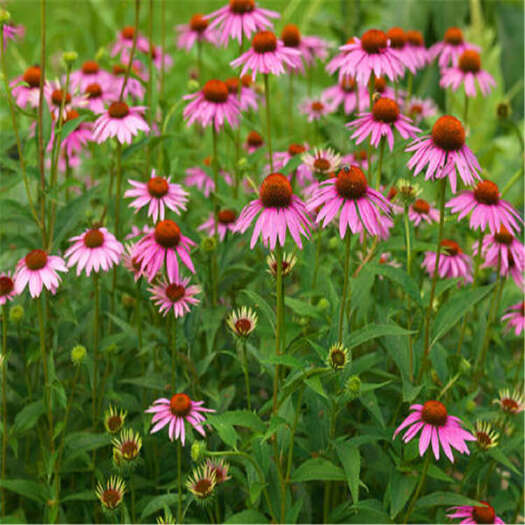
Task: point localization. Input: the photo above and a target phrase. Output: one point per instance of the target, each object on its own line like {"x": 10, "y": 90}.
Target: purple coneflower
{"x": 416, "y": 46}
{"x": 466, "y": 72}
{"x": 420, "y": 210}
{"x": 314, "y": 108}
{"x": 511, "y": 402}
{"x": 450, "y": 48}
{"x": 157, "y": 194}
{"x": 240, "y": 18}
{"x": 452, "y": 262}
{"x": 254, "y": 141}
{"x": 176, "y": 411}
{"x": 322, "y": 161}
{"x": 98, "y": 97}
{"x": 220, "y": 468}
{"x": 197, "y": 30}
{"x": 90, "y": 73}
{"x": 199, "y": 178}
{"x": 164, "y": 245}
{"x": 76, "y": 141}
{"x": 438, "y": 428}
{"x": 201, "y": 482}
{"x": 133, "y": 87}
{"x": 96, "y": 249}
{"x": 444, "y": 151}
{"x": 398, "y": 44}
{"x": 247, "y": 97}
{"x": 267, "y": 55}
{"x": 471, "y": 515}
{"x": 12, "y": 32}
{"x": 345, "y": 93}
{"x": 378, "y": 123}
{"x": 7, "y": 288}
{"x": 349, "y": 192}
{"x": 38, "y": 269}
{"x": 504, "y": 249}
{"x": 120, "y": 121}
{"x": 226, "y": 222}
{"x": 242, "y": 322}
{"x": 176, "y": 296}
{"x": 487, "y": 208}
{"x": 421, "y": 109}
{"x": 515, "y": 317}
{"x": 280, "y": 210}
{"x": 55, "y": 95}
{"x": 124, "y": 41}
{"x": 213, "y": 104}
{"x": 129, "y": 261}
{"x": 26, "y": 88}
{"x": 317, "y": 48}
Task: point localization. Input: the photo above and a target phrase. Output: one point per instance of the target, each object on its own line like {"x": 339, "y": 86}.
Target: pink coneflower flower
{"x": 38, "y": 269}
{"x": 302, "y": 174}
{"x": 267, "y": 55}
{"x": 248, "y": 97}
{"x": 98, "y": 97}
{"x": 120, "y": 121}
{"x": 133, "y": 86}
{"x": 452, "y": 262}
{"x": 197, "y": 30}
{"x": 487, "y": 208}
{"x": 416, "y": 46}
{"x": 90, "y": 73}
{"x": 322, "y": 161}
{"x": 314, "y": 109}
{"x": 371, "y": 54}
{"x": 420, "y": 210}
{"x": 158, "y": 57}
{"x": 129, "y": 261}
{"x": 254, "y": 141}
{"x": 199, "y": 178}
{"x": 176, "y": 411}
{"x": 515, "y": 317}
{"x": 310, "y": 47}
{"x": 317, "y": 48}
{"x": 76, "y": 141}
{"x": 12, "y": 32}
{"x": 502, "y": 248}
{"x": 438, "y": 428}
{"x": 157, "y": 193}
{"x": 444, "y": 151}
{"x": 280, "y": 210}
{"x": 358, "y": 158}
{"x": 220, "y": 468}
{"x": 213, "y": 104}
{"x": 472, "y": 515}
{"x": 7, "y": 288}
{"x": 95, "y": 249}
{"x": 450, "y": 48}
{"x": 163, "y": 245}
{"x": 384, "y": 90}
{"x": 467, "y": 70}
{"x": 349, "y": 192}
{"x": 26, "y": 88}
{"x": 54, "y": 95}
{"x": 345, "y": 93}
{"x": 421, "y": 109}
{"x": 176, "y": 296}
{"x": 136, "y": 231}
{"x": 378, "y": 123}
{"x": 240, "y": 18}
{"x": 226, "y": 222}
{"x": 125, "y": 41}
{"x": 511, "y": 402}
{"x": 398, "y": 45}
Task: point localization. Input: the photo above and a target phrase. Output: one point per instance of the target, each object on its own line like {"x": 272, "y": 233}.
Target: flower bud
{"x": 334, "y": 242}
{"x": 4, "y": 16}
{"x": 192, "y": 86}
{"x": 78, "y": 354}
{"x": 323, "y": 303}
{"x": 243, "y": 163}
{"x": 69, "y": 57}
{"x": 353, "y": 387}
{"x": 16, "y": 313}
{"x": 470, "y": 405}
{"x": 208, "y": 244}
{"x": 198, "y": 450}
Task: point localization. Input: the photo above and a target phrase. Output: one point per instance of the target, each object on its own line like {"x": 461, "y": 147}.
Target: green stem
{"x": 317, "y": 258}
{"x": 278, "y": 327}
{"x": 380, "y": 163}
{"x": 4, "y": 395}
{"x": 95, "y": 347}
{"x": 118, "y": 189}
{"x": 151, "y": 109}
{"x": 244, "y": 362}
{"x": 291, "y": 108}
{"x": 465, "y": 112}
{"x": 179, "y": 481}
{"x": 132, "y": 53}
{"x": 268, "y": 119}
{"x": 419, "y": 487}
{"x": 409, "y": 310}
{"x": 173, "y": 351}
{"x": 410, "y": 83}
{"x": 348, "y": 240}
{"x": 214, "y": 267}
{"x": 292, "y": 434}
{"x": 199, "y": 60}
{"x": 517, "y": 176}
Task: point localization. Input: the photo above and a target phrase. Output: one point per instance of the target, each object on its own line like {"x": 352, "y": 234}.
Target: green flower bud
{"x": 69, "y": 57}
{"x": 470, "y": 405}
{"x": 323, "y": 303}
{"x": 16, "y": 313}
{"x": 334, "y": 243}
{"x": 4, "y": 16}
{"x": 193, "y": 86}
{"x": 78, "y": 354}
{"x": 353, "y": 387}
{"x": 3, "y": 359}
{"x": 243, "y": 163}
{"x": 101, "y": 54}
{"x": 208, "y": 244}
{"x": 198, "y": 450}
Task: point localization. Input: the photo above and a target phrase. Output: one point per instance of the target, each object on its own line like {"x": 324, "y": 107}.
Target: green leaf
{"x": 400, "y": 277}
{"x": 261, "y": 304}
{"x": 315, "y": 384}
{"x": 157, "y": 503}
{"x": 351, "y": 461}
{"x": 444, "y": 499}
{"x": 455, "y": 308}
{"x": 275, "y": 423}
{"x": 28, "y": 416}
{"x": 318, "y": 469}
{"x": 225, "y": 430}
{"x": 29, "y": 489}
{"x": 437, "y": 473}
{"x": 401, "y": 487}
{"x": 153, "y": 381}
{"x": 499, "y": 456}
{"x": 247, "y": 516}
{"x": 372, "y": 331}
{"x": 285, "y": 360}
{"x": 70, "y": 126}
{"x": 302, "y": 308}
{"x": 244, "y": 418}
{"x": 370, "y": 401}
{"x": 85, "y": 495}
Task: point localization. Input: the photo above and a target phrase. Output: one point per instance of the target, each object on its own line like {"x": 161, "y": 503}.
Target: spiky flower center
{"x": 71, "y": 115}
{"x": 483, "y": 439}
{"x": 180, "y": 405}
{"x": 233, "y": 85}
{"x": 448, "y": 133}
{"x": 276, "y": 191}
{"x": 254, "y": 139}
{"x": 264, "y": 42}
{"x": 118, "y": 110}
{"x": 246, "y": 80}
{"x": 198, "y": 23}
{"x": 291, "y": 36}
{"x": 321, "y": 164}
{"x": 129, "y": 449}
{"x": 379, "y": 84}
{"x": 338, "y": 358}
{"x": 351, "y": 183}
{"x": 158, "y": 187}
{"x": 398, "y": 37}
{"x": 128, "y": 32}
{"x": 6, "y": 285}
{"x": 93, "y": 90}
{"x": 470, "y": 61}
{"x": 385, "y": 110}
{"x": 421, "y": 206}
{"x": 451, "y": 247}
{"x": 32, "y": 76}
{"x": 487, "y": 192}
{"x": 434, "y": 413}
{"x": 295, "y": 149}
{"x": 167, "y": 233}
{"x": 348, "y": 84}
{"x": 484, "y": 513}
{"x": 94, "y": 238}
{"x": 227, "y": 216}
{"x": 416, "y": 109}
{"x": 114, "y": 423}
{"x": 510, "y": 405}
{"x": 374, "y": 41}
{"x": 36, "y": 259}
{"x": 90, "y": 67}
{"x": 111, "y": 498}
{"x": 175, "y": 292}
{"x": 215, "y": 91}
{"x": 453, "y": 36}
{"x": 415, "y": 38}
{"x": 240, "y": 7}
{"x": 243, "y": 326}
{"x": 203, "y": 487}
{"x": 58, "y": 95}
{"x": 317, "y": 106}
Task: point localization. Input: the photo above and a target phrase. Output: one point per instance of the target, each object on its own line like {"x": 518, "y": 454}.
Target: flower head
{"x": 322, "y": 161}
{"x": 78, "y": 354}
{"x": 220, "y": 468}
{"x": 444, "y": 151}
{"x": 399, "y": 48}
{"x": 416, "y": 46}
{"x": 112, "y": 494}
{"x": 133, "y": 87}
{"x": 472, "y": 515}
{"x": 7, "y": 288}
{"x": 201, "y": 482}
{"x": 127, "y": 447}
{"x": 26, "y": 88}
{"x": 515, "y": 317}
{"x": 421, "y": 109}
{"x": 451, "y": 47}
{"x": 347, "y": 92}
{"x": 175, "y": 412}
{"x": 197, "y": 30}
{"x": 114, "y": 419}
{"x": 511, "y": 402}
{"x": 242, "y": 322}
{"x": 120, "y": 121}
{"x": 124, "y": 41}
{"x": 315, "y": 108}
{"x": 421, "y": 210}
{"x": 504, "y": 250}
{"x": 199, "y": 178}
{"x": 175, "y": 295}
{"x": 437, "y": 427}
{"x": 243, "y": 90}
{"x": 338, "y": 356}
{"x": 279, "y": 210}
{"x": 90, "y": 73}
{"x": 55, "y": 96}
{"x": 226, "y": 222}
{"x": 254, "y": 141}
{"x": 452, "y": 262}
{"x": 287, "y": 265}
{"x": 486, "y": 437}
{"x": 99, "y": 96}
